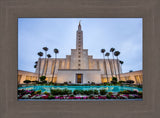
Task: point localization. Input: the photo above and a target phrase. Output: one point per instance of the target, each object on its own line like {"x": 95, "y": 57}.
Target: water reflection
{"x": 115, "y": 89}
{"x": 108, "y": 88}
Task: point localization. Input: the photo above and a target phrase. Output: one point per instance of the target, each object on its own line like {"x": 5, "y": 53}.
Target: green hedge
{"x": 103, "y": 91}
{"x": 77, "y": 92}
{"x": 60, "y": 92}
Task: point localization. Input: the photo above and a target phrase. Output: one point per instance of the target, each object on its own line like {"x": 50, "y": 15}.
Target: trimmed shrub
{"x": 106, "y": 84}
{"x": 103, "y": 91}
{"x": 56, "y": 92}
{"x": 46, "y": 93}
{"x": 26, "y": 81}
{"x": 140, "y": 93}
{"x": 81, "y": 92}
{"x": 124, "y": 92}
{"x": 51, "y": 97}
{"x": 131, "y": 97}
{"x": 65, "y": 82}
{"x": 133, "y": 92}
{"x": 108, "y": 96}
{"x": 60, "y": 92}
{"x": 95, "y": 92}
{"x": 121, "y": 82}
{"x": 42, "y": 78}
{"x": 66, "y": 92}
{"x": 92, "y": 83}
{"x": 139, "y": 86}
{"x": 44, "y": 82}
{"x": 21, "y": 92}
{"x": 71, "y": 95}
{"x": 35, "y": 82}
{"x": 130, "y": 81}
{"x": 90, "y": 92}
{"x": 91, "y": 97}
{"x": 128, "y": 92}
{"x": 110, "y": 93}
{"x": 75, "y": 92}
{"x": 85, "y": 92}
{"x": 114, "y": 80}
{"x": 37, "y": 92}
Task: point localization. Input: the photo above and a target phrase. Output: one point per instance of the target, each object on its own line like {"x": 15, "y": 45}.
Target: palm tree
{"x": 49, "y": 56}
{"x": 121, "y": 62}
{"x": 117, "y": 53}
{"x": 45, "y": 49}
{"x": 40, "y": 54}
{"x": 113, "y": 63}
{"x": 103, "y": 51}
{"x": 35, "y": 66}
{"x": 107, "y": 54}
{"x": 36, "y": 62}
{"x": 56, "y": 52}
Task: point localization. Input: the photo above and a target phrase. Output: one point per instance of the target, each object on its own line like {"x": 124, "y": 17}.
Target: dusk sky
{"x": 124, "y": 34}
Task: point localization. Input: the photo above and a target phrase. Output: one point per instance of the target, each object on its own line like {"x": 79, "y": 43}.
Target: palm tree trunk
{"x": 54, "y": 67}
{"x": 118, "y": 69}
{"x": 110, "y": 67}
{"x": 46, "y": 68}
{"x": 121, "y": 68}
{"x": 105, "y": 67}
{"x": 44, "y": 62}
{"x": 39, "y": 68}
{"x": 114, "y": 67}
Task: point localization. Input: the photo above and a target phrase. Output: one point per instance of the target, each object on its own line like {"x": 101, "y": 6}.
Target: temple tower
{"x": 79, "y": 38}
{"x": 79, "y": 56}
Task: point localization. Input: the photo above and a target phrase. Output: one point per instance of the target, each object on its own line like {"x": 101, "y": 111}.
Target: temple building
{"x": 79, "y": 67}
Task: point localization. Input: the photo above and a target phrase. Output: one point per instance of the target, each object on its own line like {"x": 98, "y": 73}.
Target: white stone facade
{"x": 70, "y": 76}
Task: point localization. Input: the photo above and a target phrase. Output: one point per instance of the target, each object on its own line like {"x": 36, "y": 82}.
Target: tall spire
{"x": 79, "y": 37}
{"x": 80, "y": 22}
{"x": 79, "y": 26}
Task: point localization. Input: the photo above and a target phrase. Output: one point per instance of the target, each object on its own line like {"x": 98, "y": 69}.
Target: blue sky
{"x": 124, "y": 34}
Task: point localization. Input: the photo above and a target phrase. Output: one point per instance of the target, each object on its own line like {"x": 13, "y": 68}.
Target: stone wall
{"x": 70, "y": 75}
{"x": 94, "y": 75}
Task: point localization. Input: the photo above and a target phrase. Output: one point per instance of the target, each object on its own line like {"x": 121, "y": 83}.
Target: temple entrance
{"x": 79, "y": 78}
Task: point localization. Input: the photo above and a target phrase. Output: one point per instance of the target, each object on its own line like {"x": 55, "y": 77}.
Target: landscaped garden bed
{"x": 78, "y": 94}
